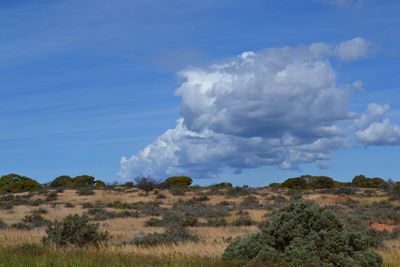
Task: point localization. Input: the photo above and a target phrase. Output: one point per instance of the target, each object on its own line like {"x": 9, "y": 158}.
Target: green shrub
{"x": 309, "y": 182}
{"x": 60, "y": 181}
{"x": 74, "y": 230}
{"x": 81, "y": 181}
{"x": 222, "y": 185}
{"x": 304, "y": 234}
{"x": 35, "y": 220}
{"x": 172, "y": 235}
{"x": 180, "y": 181}
{"x": 362, "y": 181}
{"x": 69, "y": 205}
{"x": 14, "y": 183}
{"x": 21, "y": 226}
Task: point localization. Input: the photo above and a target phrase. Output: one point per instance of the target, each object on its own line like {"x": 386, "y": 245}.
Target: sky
{"x": 251, "y": 92}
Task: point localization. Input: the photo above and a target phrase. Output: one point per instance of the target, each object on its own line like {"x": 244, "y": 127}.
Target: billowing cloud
{"x": 279, "y": 107}
{"x": 374, "y": 129}
{"x": 354, "y": 49}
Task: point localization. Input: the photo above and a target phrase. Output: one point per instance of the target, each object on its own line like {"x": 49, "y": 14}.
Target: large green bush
{"x": 60, "y": 181}
{"x": 74, "y": 230}
{"x": 13, "y": 183}
{"x": 183, "y": 181}
{"x": 362, "y": 181}
{"x": 309, "y": 182}
{"x": 304, "y": 234}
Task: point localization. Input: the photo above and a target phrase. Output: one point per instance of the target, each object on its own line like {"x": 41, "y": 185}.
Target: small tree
{"x": 74, "y": 230}
{"x": 146, "y": 183}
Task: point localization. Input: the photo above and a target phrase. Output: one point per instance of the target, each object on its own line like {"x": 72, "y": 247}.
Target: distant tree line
{"x": 12, "y": 183}
{"x": 306, "y": 182}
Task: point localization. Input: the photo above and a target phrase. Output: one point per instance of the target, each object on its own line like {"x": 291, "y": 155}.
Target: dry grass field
{"x": 253, "y": 204}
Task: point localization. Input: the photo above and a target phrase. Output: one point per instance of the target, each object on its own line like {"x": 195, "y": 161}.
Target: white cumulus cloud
{"x": 354, "y": 49}
{"x": 374, "y": 129}
{"x": 279, "y": 107}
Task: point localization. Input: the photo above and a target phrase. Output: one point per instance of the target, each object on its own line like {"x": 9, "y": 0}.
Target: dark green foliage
{"x": 222, "y": 185}
{"x": 304, "y": 234}
{"x": 35, "y": 220}
{"x": 146, "y": 184}
{"x": 69, "y": 205}
{"x": 21, "y": 226}
{"x": 74, "y": 230}
{"x": 100, "y": 214}
{"x": 85, "y": 192}
{"x": 309, "y": 182}
{"x": 362, "y": 181}
{"x": 14, "y": 183}
{"x": 81, "y": 181}
{"x": 60, "y": 181}
{"x": 172, "y": 235}
{"x": 180, "y": 181}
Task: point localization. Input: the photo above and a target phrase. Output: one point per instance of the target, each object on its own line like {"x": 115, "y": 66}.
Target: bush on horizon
{"x": 14, "y": 183}
{"x": 180, "y": 181}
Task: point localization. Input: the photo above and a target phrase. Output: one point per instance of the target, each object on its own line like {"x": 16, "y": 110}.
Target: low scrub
{"x": 172, "y": 235}
{"x": 74, "y": 230}
{"x": 304, "y": 234}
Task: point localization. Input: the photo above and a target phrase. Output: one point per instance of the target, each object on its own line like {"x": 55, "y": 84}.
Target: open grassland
{"x": 214, "y": 216}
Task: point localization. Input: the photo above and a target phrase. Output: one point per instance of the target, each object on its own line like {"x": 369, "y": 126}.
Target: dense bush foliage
{"x": 310, "y": 182}
{"x": 222, "y": 185}
{"x": 362, "y": 181}
{"x": 74, "y": 230}
{"x": 182, "y": 181}
{"x": 13, "y": 183}
{"x": 304, "y": 234}
{"x": 60, "y": 181}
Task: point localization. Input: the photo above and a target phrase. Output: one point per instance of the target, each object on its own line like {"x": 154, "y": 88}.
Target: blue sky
{"x": 84, "y": 83}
